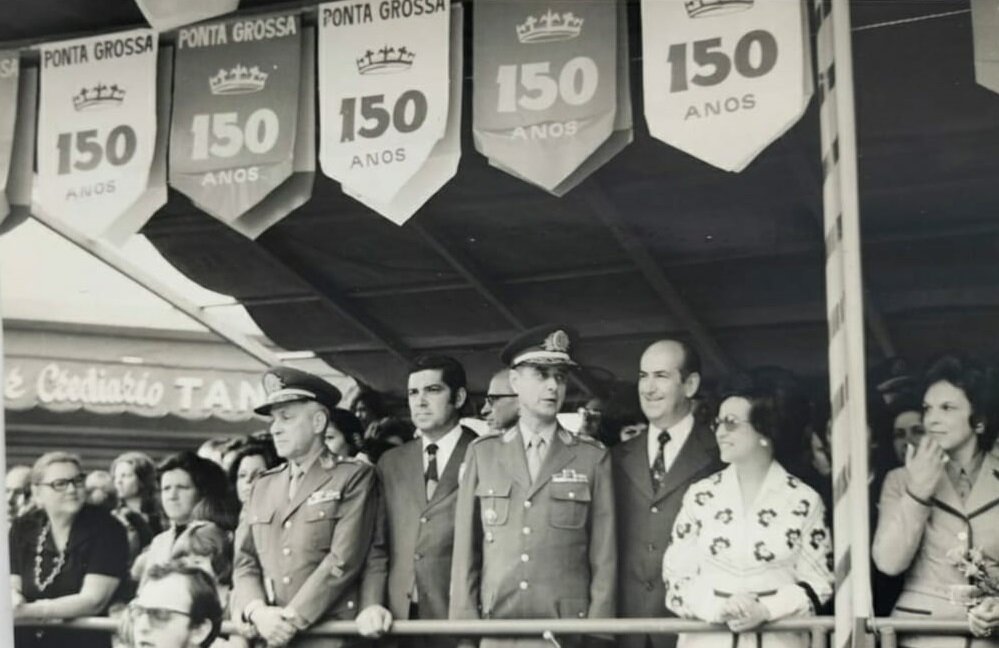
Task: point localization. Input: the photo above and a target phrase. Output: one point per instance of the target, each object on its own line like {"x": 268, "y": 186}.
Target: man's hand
{"x": 754, "y": 615}
{"x": 272, "y": 625}
{"x": 984, "y": 617}
{"x": 374, "y": 621}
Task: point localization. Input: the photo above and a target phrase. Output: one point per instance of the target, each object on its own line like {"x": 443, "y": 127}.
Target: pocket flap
{"x": 260, "y": 516}
{"x": 484, "y": 489}
{"x": 573, "y": 492}
{"x": 322, "y": 511}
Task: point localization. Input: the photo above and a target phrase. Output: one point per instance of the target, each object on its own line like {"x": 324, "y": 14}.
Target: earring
{"x": 764, "y": 443}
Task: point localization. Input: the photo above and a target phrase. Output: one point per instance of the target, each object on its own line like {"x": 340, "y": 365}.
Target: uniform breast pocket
{"x": 320, "y": 520}
{"x": 494, "y": 502}
{"x": 259, "y": 523}
{"x": 570, "y": 502}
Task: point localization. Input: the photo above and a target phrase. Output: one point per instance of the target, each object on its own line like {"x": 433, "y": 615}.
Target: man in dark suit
{"x": 308, "y": 523}
{"x": 651, "y": 474}
{"x": 534, "y": 522}
{"x": 409, "y": 567}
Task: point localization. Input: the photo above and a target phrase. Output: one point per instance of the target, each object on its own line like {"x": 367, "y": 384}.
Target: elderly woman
{"x": 944, "y": 500}
{"x": 67, "y": 558}
{"x": 749, "y": 544}
{"x": 185, "y": 480}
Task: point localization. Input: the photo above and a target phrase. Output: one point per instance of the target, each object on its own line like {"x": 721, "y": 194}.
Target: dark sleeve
{"x": 15, "y": 542}
{"x": 109, "y": 549}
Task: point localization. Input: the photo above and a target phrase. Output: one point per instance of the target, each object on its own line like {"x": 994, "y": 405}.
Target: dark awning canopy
{"x": 655, "y": 242}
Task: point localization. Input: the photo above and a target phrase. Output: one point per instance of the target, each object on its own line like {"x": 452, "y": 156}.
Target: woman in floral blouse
{"x": 749, "y": 544}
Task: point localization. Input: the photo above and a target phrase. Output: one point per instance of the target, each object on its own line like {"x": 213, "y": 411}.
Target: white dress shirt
{"x": 445, "y": 446}
{"x": 678, "y": 435}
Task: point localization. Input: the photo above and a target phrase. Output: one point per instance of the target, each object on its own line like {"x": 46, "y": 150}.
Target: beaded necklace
{"x": 56, "y": 568}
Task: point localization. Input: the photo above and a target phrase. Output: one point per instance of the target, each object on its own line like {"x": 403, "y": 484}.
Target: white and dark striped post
{"x": 844, "y": 307}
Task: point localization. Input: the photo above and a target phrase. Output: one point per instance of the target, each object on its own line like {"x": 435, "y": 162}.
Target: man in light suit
{"x": 409, "y": 567}
{"x": 534, "y": 524}
{"x": 651, "y": 473}
{"x": 308, "y": 523}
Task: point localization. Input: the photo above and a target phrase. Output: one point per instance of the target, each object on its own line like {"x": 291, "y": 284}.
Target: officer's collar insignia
{"x": 570, "y": 476}
{"x": 557, "y": 341}
{"x": 273, "y": 383}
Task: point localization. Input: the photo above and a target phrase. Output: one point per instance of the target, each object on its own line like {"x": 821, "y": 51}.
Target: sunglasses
{"x": 157, "y": 615}
{"x": 60, "y": 485}
{"x": 730, "y": 423}
{"x": 492, "y": 398}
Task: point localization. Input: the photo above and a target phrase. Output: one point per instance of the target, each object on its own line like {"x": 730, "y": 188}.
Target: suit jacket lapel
{"x": 635, "y": 461}
{"x": 558, "y": 456}
{"x": 412, "y": 476}
{"x": 313, "y": 479}
{"x": 449, "y": 478}
{"x": 986, "y": 486}
{"x": 514, "y": 458}
{"x": 695, "y": 455}
{"x": 946, "y": 496}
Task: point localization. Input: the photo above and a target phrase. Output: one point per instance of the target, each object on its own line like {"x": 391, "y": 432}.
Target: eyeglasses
{"x": 492, "y": 398}
{"x": 60, "y": 485}
{"x": 730, "y": 423}
{"x": 156, "y": 615}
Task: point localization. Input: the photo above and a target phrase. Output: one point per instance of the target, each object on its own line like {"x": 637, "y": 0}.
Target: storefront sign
{"x": 383, "y": 91}
{"x": 9, "y": 74}
{"x": 724, "y": 78}
{"x": 238, "y": 95}
{"x": 545, "y": 85}
{"x": 443, "y": 161}
{"x": 164, "y": 15}
{"x": 985, "y": 27}
{"x": 67, "y": 385}
{"x": 98, "y": 101}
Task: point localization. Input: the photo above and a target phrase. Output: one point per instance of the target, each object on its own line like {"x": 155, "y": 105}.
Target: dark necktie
{"x": 658, "y": 470}
{"x": 431, "y": 477}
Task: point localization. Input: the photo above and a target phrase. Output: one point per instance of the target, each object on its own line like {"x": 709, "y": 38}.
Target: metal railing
{"x": 888, "y": 628}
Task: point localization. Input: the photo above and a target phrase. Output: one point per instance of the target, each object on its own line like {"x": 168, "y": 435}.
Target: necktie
{"x": 658, "y": 470}
{"x": 295, "y": 477}
{"x": 431, "y": 478}
{"x": 535, "y": 455}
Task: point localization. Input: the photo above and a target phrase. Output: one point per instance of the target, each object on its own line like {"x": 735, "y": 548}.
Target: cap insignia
{"x": 557, "y": 341}
{"x": 272, "y": 383}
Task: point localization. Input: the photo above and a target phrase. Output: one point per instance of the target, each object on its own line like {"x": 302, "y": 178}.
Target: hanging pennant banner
{"x": 237, "y": 87}
{"x": 164, "y": 15}
{"x": 22, "y": 158}
{"x": 985, "y": 28}
{"x": 443, "y": 161}
{"x": 9, "y": 61}
{"x": 545, "y": 79}
{"x": 98, "y": 98}
{"x": 723, "y": 78}
{"x": 623, "y": 133}
{"x": 383, "y": 91}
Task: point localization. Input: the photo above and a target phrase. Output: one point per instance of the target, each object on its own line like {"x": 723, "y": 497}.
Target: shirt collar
{"x": 678, "y": 434}
{"x": 545, "y": 434}
{"x": 306, "y": 463}
{"x": 972, "y": 469}
{"x": 446, "y": 443}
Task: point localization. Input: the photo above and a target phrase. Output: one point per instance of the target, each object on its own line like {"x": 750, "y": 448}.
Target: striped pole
{"x": 844, "y": 304}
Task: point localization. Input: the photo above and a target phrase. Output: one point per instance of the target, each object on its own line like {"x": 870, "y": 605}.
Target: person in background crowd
{"x": 18, "y": 484}
{"x": 500, "y": 409}
{"x": 214, "y": 449}
{"x": 251, "y": 461}
{"x": 944, "y": 499}
{"x": 177, "y": 607}
{"x": 231, "y": 449}
{"x": 369, "y": 410}
{"x": 591, "y": 418}
{"x": 344, "y": 434}
{"x": 311, "y": 521}
{"x": 102, "y": 493}
{"x": 389, "y": 433}
{"x": 67, "y": 558}
{"x": 534, "y": 522}
{"x": 100, "y": 489}
{"x": 135, "y": 480}
{"x": 185, "y": 480}
{"x": 750, "y": 544}
{"x": 409, "y": 566}
{"x": 651, "y": 474}
{"x": 907, "y": 426}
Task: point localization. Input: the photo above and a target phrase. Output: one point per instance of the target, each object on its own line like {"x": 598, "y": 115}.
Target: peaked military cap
{"x": 548, "y": 345}
{"x": 287, "y": 385}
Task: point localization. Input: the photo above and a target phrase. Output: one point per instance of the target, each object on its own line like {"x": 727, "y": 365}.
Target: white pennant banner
{"x": 724, "y": 78}
{"x": 9, "y": 75}
{"x": 22, "y": 157}
{"x": 164, "y": 15}
{"x": 383, "y": 91}
{"x": 98, "y": 100}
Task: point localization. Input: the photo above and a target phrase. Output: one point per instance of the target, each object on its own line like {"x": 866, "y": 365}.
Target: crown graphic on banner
{"x": 238, "y": 80}
{"x": 386, "y": 60}
{"x": 708, "y": 8}
{"x": 98, "y": 96}
{"x": 549, "y": 27}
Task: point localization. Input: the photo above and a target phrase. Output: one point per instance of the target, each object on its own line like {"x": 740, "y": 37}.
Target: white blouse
{"x": 778, "y": 549}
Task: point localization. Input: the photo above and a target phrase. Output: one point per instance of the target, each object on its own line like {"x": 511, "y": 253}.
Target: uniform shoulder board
{"x": 275, "y": 470}
{"x": 488, "y": 436}
{"x": 596, "y": 443}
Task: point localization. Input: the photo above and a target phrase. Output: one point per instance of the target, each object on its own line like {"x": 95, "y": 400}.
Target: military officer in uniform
{"x": 534, "y": 526}
{"x": 309, "y": 522}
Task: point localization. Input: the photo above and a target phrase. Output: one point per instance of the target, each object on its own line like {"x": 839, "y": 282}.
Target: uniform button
{"x": 322, "y": 513}
{"x": 526, "y": 530}
{"x": 524, "y": 557}
{"x": 491, "y": 491}
{"x": 527, "y": 504}
{"x": 423, "y": 520}
{"x": 286, "y": 551}
{"x": 523, "y": 585}
{"x": 489, "y": 536}
{"x": 350, "y": 605}
{"x": 287, "y": 524}
{"x": 654, "y": 509}
{"x": 572, "y": 495}
{"x": 582, "y": 615}
{"x": 286, "y": 580}
{"x": 417, "y": 556}
{"x": 962, "y": 536}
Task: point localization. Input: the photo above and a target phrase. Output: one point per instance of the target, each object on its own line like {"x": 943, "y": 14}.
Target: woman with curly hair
{"x": 134, "y": 475}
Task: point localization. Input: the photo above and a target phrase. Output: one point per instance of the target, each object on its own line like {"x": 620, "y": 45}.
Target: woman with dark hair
{"x": 944, "y": 500}
{"x": 369, "y": 410}
{"x": 185, "y": 480}
{"x": 134, "y": 475}
{"x": 750, "y": 544}
{"x": 254, "y": 458}
{"x": 344, "y": 433}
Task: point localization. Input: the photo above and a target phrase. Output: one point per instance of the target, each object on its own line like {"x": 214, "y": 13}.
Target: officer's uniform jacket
{"x": 645, "y": 520}
{"x": 307, "y": 553}
{"x": 915, "y": 538}
{"x": 415, "y": 537}
{"x": 541, "y": 550}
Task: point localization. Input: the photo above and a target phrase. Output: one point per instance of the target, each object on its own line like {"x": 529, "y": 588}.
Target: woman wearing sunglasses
{"x": 176, "y": 607}
{"x": 943, "y": 501}
{"x": 749, "y": 544}
{"x": 67, "y": 558}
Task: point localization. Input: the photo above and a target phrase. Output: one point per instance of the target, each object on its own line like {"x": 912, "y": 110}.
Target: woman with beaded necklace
{"x": 67, "y": 558}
